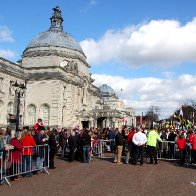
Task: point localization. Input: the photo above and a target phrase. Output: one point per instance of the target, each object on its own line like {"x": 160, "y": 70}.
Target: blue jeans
{"x": 86, "y": 153}
{"x": 64, "y": 150}
{"x": 26, "y": 164}
{"x": 39, "y": 163}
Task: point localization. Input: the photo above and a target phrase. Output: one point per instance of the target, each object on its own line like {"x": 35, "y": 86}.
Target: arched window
{"x": 45, "y": 113}
{"x": 32, "y": 114}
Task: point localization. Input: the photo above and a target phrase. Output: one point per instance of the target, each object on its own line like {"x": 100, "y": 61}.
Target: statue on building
{"x": 72, "y": 67}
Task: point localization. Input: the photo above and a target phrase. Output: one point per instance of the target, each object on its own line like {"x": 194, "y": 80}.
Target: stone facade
{"x": 60, "y": 89}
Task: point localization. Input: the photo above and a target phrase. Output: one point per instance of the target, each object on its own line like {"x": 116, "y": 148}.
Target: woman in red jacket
{"x": 15, "y": 156}
{"x": 28, "y": 143}
{"x": 192, "y": 140}
{"x": 181, "y": 143}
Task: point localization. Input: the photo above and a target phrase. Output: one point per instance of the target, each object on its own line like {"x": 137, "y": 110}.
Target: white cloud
{"x": 140, "y": 93}
{"x": 5, "y": 34}
{"x": 6, "y": 53}
{"x": 159, "y": 42}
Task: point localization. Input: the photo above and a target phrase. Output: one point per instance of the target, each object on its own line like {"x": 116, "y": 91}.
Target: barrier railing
{"x": 169, "y": 150}
{"x": 95, "y": 146}
{"x": 100, "y": 147}
{"x": 165, "y": 150}
{"x": 23, "y": 162}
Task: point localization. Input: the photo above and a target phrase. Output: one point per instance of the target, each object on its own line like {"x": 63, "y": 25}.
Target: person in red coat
{"x": 28, "y": 143}
{"x": 192, "y": 140}
{"x": 130, "y": 145}
{"x": 181, "y": 143}
{"x": 15, "y": 156}
{"x": 39, "y": 126}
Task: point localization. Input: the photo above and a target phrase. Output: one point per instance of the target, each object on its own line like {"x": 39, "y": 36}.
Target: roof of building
{"x": 107, "y": 90}
{"x": 55, "y": 36}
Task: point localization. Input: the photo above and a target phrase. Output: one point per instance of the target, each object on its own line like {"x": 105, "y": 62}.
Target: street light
{"x": 19, "y": 92}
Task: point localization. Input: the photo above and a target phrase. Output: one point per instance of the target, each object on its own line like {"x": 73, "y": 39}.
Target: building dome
{"x": 55, "y": 36}
{"x": 107, "y": 90}
{"x": 57, "y": 39}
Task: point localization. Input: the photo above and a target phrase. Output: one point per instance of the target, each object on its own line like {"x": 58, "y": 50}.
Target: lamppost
{"x": 19, "y": 92}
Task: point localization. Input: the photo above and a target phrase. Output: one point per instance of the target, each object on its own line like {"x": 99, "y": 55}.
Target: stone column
{"x": 95, "y": 123}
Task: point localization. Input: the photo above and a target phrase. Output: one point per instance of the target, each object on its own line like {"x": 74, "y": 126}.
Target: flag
{"x": 177, "y": 117}
{"x": 181, "y": 114}
{"x": 189, "y": 124}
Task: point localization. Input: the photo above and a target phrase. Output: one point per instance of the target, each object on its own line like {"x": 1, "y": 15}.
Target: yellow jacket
{"x": 152, "y": 138}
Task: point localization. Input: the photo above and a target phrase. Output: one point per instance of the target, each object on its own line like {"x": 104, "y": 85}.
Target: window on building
{"x": 32, "y": 114}
{"x": 45, "y": 110}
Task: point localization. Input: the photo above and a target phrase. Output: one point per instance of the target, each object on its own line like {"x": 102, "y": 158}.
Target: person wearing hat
{"x": 152, "y": 139}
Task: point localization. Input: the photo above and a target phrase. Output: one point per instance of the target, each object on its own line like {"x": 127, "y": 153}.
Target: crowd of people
{"x": 148, "y": 142}
{"x": 27, "y": 150}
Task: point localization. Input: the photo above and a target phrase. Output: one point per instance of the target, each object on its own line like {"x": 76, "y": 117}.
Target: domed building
{"x": 107, "y": 91}
{"x": 113, "y": 113}
{"x": 59, "y": 87}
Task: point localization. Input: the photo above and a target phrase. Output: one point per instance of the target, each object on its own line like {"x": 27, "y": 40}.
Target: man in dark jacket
{"x": 41, "y": 150}
{"x": 86, "y": 141}
{"x": 63, "y": 141}
{"x": 53, "y": 146}
{"x": 119, "y": 146}
{"x": 72, "y": 141}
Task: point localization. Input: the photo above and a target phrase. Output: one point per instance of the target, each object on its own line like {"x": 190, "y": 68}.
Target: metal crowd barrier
{"x": 95, "y": 146}
{"x": 100, "y": 147}
{"x": 167, "y": 150}
{"x": 23, "y": 162}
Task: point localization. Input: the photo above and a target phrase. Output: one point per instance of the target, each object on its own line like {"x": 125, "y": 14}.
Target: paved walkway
{"x": 104, "y": 178}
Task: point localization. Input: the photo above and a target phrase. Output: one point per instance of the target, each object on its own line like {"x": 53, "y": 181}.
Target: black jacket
{"x": 52, "y": 142}
{"x": 72, "y": 142}
{"x": 86, "y": 139}
{"x": 119, "y": 139}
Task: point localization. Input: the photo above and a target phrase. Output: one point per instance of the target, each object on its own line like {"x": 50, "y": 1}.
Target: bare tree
{"x": 153, "y": 113}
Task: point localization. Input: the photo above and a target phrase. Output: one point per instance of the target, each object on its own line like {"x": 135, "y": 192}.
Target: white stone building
{"x": 59, "y": 87}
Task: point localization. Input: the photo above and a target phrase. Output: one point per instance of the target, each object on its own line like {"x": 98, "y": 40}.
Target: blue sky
{"x": 145, "y": 47}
